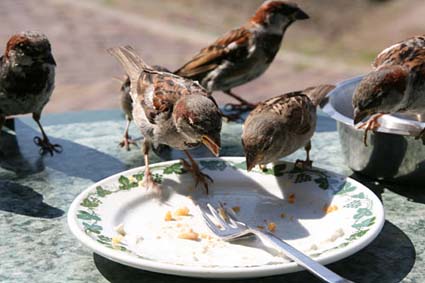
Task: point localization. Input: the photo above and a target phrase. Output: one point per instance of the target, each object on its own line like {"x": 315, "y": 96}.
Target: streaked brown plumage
{"x": 170, "y": 110}
{"x": 401, "y": 53}
{"x": 280, "y": 125}
{"x": 127, "y": 107}
{"x": 245, "y": 53}
{"x": 396, "y": 85}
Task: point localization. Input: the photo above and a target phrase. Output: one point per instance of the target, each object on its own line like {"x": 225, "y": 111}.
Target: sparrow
{"x": 396, "y": 85}
{"x": 27, "y": 78}
{"x": 170, "y": 110}
{"x": 127, "y": 107}
{"x": 281, "y": 125}
{"x": 244, "y": 53}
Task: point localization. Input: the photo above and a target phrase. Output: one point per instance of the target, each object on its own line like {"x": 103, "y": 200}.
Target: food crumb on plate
{"x": 189, "y": 235}
{"x": 168, "y": 216}
{"x": 282, "y": 215}
{"x": 271, "y": 226}
{"x": 205, "y": 236}
{"x": 329, "y": 208}
{"x": 338, "y": 233}
{"x": 132, "y": 179}
{"x": 120, "y": 229}
{"x": 291, "y": 198}
{"x": 236, "y": 209}
{"x": 260, "y": 227}
{"x": 223, "y": 213}
{"x": 116, "y": 240}
{"x": 182, "y": 211}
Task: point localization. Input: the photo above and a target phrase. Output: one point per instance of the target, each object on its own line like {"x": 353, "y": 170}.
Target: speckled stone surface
{"x": 35, "y": 193}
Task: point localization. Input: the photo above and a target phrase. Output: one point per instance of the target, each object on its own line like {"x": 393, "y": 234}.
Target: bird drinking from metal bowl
{"x": 393, "y": 153}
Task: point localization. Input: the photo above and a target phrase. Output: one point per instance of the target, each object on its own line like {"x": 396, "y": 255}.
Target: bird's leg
{"x": 307, "y": 163}
{"x": 371, "y": 124}
{"x": 196, "y": 172}
{"x": 126, "y": 141}
{"x": 44, "y": 142}
{"x": 241, "y": 107}
{"x": 421, "y": 136}
{"x": 148, "y": 180}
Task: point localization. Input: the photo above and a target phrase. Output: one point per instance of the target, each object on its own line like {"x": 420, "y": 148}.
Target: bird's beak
{"x": 50, "y": 60}
{"x": 212, "y": 143}
{"x": 301, "y": 15}
{"x": 360, "y": 115}
{"x": 251, "y": 161}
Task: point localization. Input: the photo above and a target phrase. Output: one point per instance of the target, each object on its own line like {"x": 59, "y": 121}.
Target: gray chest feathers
{"x": 26, "y": 89}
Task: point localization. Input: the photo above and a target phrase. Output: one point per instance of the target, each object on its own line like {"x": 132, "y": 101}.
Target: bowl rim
{"x": 390, "y": 124}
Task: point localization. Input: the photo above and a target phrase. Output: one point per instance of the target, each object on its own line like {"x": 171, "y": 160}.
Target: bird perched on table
{"x": 245, "y": 53}
{"x": 280, "y": 125}
{"x": 127, "y": 107}
{"x": 170, "y": 110}
{"x": 27, "y": 77}
{"x": 396, "y": 85}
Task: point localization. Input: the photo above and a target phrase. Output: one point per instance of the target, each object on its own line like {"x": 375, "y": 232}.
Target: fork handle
{"x": 305, "y": 261}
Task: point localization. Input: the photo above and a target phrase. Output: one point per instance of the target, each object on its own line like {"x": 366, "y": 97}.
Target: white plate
{"x": 292, "y": 199}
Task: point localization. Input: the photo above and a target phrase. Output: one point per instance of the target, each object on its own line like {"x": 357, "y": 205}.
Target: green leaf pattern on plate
{"x": 176, "y": 168}
{"x": 363, "y": 218}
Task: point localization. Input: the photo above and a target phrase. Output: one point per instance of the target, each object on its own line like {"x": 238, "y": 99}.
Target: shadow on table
{"x": 376, "y": 263}
{"x": 414, "y": 193}
{"x": 19, "y": 154}
{"x": 23, "y": 200}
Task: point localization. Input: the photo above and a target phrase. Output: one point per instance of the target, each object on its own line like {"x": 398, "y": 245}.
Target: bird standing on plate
{"x": 170, "y": 110}
{"x": 245, "y": 53}
{"x": 127, "y": 107}
{"x": 27, "y": 78}
{"x": 280, "y": 125}
{"x": 397, "y": 85}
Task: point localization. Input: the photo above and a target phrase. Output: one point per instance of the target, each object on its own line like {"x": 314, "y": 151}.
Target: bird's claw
{"x": 46, "y": 146}
{"x": 126, "y": 142}
{"x": 304, "y": 164}
{"x": 197, "y": 174}
{"x": 371, "y": 125}
{"x": 150, "y": 184}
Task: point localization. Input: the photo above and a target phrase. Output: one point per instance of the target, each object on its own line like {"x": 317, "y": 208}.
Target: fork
{"x": 232, "y": 229}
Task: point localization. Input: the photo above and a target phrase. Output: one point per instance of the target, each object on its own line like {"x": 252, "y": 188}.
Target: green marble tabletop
{"x": 36, "y": 192}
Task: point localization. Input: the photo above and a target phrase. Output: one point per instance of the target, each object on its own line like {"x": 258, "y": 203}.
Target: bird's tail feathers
{"x": 318, "y": 94}
{"x": 131, "y": 62}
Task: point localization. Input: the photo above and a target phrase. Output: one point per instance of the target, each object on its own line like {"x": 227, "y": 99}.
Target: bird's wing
{"x": 159, "y": 91}
{"x": 294, "y": 108}
{"x": 318, "y": 94}
{"x": 400, "y": 52}
{"x": 230, "y": 46}
{"x": 415, "y": 61}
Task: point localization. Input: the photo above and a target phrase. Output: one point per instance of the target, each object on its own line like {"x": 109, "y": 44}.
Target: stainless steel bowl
{"x": 393, "y": 153}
